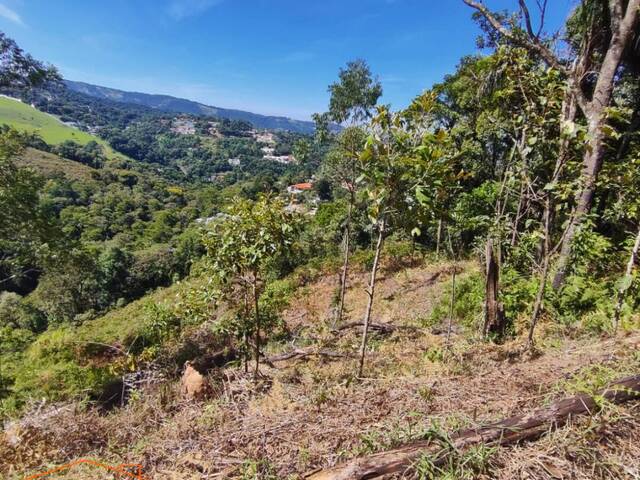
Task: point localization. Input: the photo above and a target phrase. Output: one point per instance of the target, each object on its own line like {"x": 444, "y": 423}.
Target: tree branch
{"x": 534, "y": 45}
{"x": 527, "y": 18}
{"x": 543, "y": 12}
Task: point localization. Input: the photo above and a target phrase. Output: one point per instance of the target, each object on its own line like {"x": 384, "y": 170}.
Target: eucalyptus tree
{"x": 353, "y": 99}
{"x": 241, "y": 247}
{"x": 602, "y": 34}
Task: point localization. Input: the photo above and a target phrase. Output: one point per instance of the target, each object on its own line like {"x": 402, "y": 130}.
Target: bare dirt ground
{"x": 311, "y": 413}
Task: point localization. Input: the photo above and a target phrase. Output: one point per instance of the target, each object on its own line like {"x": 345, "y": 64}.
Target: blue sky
{"x": 266, "y": 56}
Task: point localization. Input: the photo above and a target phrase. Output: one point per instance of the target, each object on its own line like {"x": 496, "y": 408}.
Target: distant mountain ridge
{"x": 168, "y": 103}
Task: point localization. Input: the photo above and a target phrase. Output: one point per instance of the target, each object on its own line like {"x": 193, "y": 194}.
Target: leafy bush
{"x": 468, "y": 304}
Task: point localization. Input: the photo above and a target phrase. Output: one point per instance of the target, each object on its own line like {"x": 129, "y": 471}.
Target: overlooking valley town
{"x": 320, "y": 240}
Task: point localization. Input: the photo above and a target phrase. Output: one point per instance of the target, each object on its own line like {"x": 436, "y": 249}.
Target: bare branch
{"x": 527, "y": 18}
{"x": 532, "y": 44}
{"x": 535, "y": 46}
{"x": 543, "y": 12}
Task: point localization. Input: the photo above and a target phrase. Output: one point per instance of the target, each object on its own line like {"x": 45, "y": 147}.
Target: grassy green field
{"x": 26, "y": 118}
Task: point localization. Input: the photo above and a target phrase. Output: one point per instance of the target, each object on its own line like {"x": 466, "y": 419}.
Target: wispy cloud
{"x": 298, "y": 56}
{"x": 180, "y": 9}
{"x": 11, "y": 15}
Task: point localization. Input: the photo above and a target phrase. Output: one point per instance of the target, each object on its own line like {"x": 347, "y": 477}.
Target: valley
{"x": 440, "y": 288}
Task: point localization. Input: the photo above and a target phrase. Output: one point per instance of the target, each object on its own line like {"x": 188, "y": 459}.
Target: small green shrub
{"x": 467, "y": 307}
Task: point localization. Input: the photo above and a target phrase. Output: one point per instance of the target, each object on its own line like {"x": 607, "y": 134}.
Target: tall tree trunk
{"x": 345, "y": 263}
{"x": 537, "y": 307}
{"x": 438, "y": 236}
{"x": 626, "y": 281}
{"x": 593, "y": 159}
{"x": 494, "y": 320}
{"x": 595, "y": 111}
{"x": 257, "y": 329}
{"x": 370, "y": 293}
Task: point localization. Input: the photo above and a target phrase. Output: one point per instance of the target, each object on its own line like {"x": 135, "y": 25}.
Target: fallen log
{"x": 506, "y": 432}
{"x": 299, "y": 353}
{"x": 426, "y": 283}
{"x": 385, "y": 328}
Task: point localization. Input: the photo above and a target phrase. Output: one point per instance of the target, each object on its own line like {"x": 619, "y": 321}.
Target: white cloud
{"x": 12, "y": 16}
{"x": 180, "y": 9}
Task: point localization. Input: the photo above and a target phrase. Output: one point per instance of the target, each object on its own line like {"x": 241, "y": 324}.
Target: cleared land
{"x": 311, "y": 413}
{"x": 48, "y": 165}
{"x": 26, "y": 118}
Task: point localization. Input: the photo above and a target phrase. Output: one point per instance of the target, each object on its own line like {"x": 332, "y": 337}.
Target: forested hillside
{"x": 445, "y": 291}
{"x": 167, "y": 103}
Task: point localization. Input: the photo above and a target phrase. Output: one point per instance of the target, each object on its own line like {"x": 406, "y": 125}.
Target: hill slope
{"x": 309, "y": 413}
{"x": 49, "y": 165}
{"x": 180, "y": 105}
{"x": 26, "y": 118}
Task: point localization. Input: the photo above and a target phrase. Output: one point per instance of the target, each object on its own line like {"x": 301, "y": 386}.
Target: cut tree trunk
{"x": 370, "y": 294}
{"x": 510, "y": 431}
{"x": 626, "y": 283}
{"x": 494, "y": 320}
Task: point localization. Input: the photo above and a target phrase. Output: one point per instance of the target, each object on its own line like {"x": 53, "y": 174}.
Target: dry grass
{"x": 313, "y": 413}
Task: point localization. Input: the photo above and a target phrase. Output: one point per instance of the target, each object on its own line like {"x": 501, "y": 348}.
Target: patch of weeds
{"x": 321, "y": 395}
{"x": 458, "y": 364}
{"x": 303, "y": 457}
{"x": 434, "y": 355}
{"x": 427, "y": 393}
{"x": 210, "y": 416}
{"x": 593, "y": 378}
{"x": 451, "y": 464}
{"x": 467, "y": 307}
{"x": 378, "y": 440}
{"x": 456, "y": 422}
{"x": 261, "y": 469}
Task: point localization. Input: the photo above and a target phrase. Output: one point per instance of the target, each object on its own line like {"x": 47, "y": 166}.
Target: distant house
{"x": 299, "y": 188}
{"x": 286, "y": 159}
{"x": 234, "y": 162}
{"x": 183, "y": 126}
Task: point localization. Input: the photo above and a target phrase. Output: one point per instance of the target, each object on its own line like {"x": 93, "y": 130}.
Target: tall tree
{"x": 353, "y": 98}
{"x": 595, "y": 56}
{"x": 355, "y": 95}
